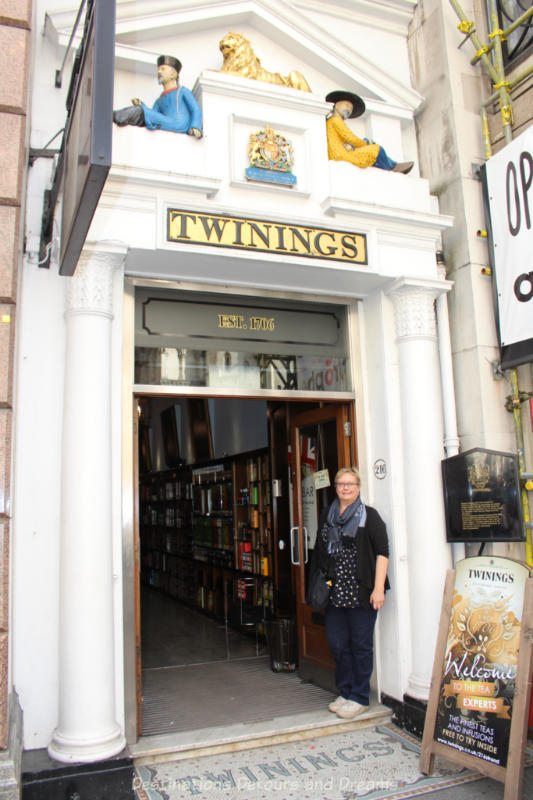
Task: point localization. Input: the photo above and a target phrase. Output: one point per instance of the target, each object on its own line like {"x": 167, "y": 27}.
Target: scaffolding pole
{"x": 512, "y": 27}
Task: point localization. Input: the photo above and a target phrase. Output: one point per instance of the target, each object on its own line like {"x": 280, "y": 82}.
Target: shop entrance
{"x": 229, "y": 494}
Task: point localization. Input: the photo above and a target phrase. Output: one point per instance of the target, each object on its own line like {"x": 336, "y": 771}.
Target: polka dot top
{"x": 345, "y": 589}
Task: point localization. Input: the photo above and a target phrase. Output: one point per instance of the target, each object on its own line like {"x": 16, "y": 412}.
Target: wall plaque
{"x": 482, "y": 497}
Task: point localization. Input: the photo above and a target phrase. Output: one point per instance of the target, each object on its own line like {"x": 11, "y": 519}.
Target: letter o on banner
{"x": 513, "y": 228}
{"x": 525, "y": 278}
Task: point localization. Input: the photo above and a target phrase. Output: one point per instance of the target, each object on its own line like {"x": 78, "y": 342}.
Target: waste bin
{"x": 281, "y": 639}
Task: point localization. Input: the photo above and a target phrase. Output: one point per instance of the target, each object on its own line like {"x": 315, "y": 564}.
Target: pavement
{"x": 373, "y": 762}
{"x": 484, "y": 789}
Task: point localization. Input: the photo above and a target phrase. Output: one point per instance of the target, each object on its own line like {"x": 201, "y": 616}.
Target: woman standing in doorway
{"x": 352, "y": 549}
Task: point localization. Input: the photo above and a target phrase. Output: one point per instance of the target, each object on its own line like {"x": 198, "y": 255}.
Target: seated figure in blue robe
{"x": 176, "y": 109}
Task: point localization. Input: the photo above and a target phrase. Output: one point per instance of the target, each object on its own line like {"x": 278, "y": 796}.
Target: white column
{"x": 451, "y": 436}
{"x": 87, "y": 729}
{"x": 422, "y": 436}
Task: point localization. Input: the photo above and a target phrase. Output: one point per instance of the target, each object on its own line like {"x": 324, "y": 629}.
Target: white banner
{"x": 510, "y": 192}
{"x": 309, "y": 512}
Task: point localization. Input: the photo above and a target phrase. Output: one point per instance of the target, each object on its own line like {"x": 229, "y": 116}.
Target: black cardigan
{"x": 370, "y": 541}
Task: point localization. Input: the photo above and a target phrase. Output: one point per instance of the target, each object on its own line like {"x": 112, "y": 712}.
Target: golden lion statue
{"x": 240, "y": 59}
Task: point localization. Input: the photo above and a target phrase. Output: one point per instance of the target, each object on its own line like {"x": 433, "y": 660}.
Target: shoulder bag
{"x": 318, "y": 591}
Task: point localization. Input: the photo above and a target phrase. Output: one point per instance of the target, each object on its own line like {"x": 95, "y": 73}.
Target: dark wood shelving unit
{"x": 206, "y": 536}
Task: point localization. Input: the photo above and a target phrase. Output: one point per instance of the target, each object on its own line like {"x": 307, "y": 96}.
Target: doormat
{"x": 371, "y": 763}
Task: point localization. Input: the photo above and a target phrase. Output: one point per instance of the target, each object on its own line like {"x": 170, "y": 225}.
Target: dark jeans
{"x": 350, "y": 635}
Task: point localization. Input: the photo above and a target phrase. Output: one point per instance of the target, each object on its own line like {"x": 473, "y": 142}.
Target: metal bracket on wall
{"x": 498, "y": 373}
{"x": 41, "y": 152}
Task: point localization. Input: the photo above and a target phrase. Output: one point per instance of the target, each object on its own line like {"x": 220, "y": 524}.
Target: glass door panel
{"x": 321, "y": 443}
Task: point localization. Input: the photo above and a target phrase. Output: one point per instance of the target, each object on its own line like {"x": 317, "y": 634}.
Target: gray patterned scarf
{"x": 344, "y": 524}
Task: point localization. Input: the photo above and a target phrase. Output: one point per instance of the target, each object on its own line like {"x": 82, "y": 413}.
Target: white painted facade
{"x": 73, "y": 445}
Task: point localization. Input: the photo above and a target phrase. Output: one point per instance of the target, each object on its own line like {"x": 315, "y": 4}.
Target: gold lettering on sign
{"x": 480, "y": 514}
{"x": 236, "y": 321}
{"x": 273, "y": 237}
{"x": 262, "y": 324}
{"x": 231, "y": 321}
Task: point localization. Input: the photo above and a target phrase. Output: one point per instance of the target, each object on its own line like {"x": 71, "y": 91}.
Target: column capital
{"x": 90, "y": 289}
{"x": 414, "y": 307}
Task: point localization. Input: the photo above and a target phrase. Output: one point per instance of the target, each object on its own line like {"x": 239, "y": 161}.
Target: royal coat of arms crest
{"x": 271, "y": 158}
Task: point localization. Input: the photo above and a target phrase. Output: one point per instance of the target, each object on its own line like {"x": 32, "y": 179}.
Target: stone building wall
{"x": 15, "y": 26}
{"x": 451, "y": 147}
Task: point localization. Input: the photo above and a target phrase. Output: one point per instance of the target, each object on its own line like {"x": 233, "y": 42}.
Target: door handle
{"x": 295, "y": 549}
{"x": 306, "y": 546}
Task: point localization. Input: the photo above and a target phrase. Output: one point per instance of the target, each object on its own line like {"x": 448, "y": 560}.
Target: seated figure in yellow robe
{"x": 344, "y": 145}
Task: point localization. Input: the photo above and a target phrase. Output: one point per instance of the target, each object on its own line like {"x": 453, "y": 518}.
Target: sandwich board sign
{"x": 477, "y": 711}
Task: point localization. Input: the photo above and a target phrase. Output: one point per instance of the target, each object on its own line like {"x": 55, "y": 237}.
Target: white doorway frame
{"x": 129, "y": 489}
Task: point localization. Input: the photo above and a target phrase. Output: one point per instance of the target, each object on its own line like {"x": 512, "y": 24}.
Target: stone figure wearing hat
{"x": 344, "y": 145}
{"x": 176, "y": 109}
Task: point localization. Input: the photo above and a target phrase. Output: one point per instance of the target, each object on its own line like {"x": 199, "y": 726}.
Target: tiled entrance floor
{"x": 197, "y": 673}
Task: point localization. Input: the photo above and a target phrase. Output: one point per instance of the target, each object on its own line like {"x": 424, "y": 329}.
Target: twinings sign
{"x": 479, "y": 672}
{"x": 240, "y": 233}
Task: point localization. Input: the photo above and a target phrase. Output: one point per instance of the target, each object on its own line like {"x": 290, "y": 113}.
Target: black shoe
{"x": 132, "y": 115}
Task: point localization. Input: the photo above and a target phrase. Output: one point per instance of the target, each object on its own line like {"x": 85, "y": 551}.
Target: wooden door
{"x": 321, "y": 442}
